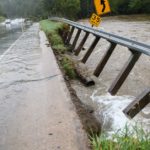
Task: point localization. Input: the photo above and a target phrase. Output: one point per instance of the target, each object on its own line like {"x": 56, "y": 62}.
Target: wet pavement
{"x": 108, "y": 109}
{"x": 7, "y": 37}
{"x": 36, "y": 112}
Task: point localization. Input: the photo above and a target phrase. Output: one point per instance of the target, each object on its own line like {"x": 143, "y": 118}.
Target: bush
{"x": 52, "y": 30}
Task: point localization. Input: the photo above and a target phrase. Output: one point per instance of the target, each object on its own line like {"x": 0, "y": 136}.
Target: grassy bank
{"x": 2, "y": 19}
{"x": 53, "y": 31}
{"x": 134, "y": 139}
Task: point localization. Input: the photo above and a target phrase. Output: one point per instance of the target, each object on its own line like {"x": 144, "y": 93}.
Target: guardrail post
{"x": 138, "y": 104}
{"x": 124, "y": 72}
{"x": 70, "y": 35}
{"x": 65, "y": 35}
{"x": 104, "y": 60}
{"x": 90, "y": 50}
{"x": 76, "y": 39}
{"x": 77, "y": 51}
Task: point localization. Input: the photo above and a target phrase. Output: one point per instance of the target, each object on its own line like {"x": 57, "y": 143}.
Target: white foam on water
{"x": 14, "y": 21}
{"x": 111, "y": 112}
{"x": 17, "y": 21}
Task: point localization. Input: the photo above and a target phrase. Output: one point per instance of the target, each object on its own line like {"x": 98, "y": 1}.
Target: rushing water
{"x": 108, "y": 109}
{"x": 10, "y": 33}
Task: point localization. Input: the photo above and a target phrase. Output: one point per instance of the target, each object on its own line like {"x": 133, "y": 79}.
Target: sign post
{"x": 102, "y": 7}
{"x": 95, "y": 20}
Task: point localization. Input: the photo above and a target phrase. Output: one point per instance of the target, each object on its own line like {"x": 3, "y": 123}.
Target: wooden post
{"x": 76, "y": 39}
{"x": 70, "y": 35}
{"x": 65, "y": 35}
{"x": 124, "y": 72}
{"x": 90, "y": 50}
{"x": 77, "y": 51}
{"x": 104, "y": 60}
{"x": 138, "y": 104}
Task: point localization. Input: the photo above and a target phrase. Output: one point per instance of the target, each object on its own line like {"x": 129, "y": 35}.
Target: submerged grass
{"x": 133, "y": 139}
{"x": 53, "y": 31}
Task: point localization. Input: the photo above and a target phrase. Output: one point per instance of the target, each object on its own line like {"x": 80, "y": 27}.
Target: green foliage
{"x": 21, "y": 8}
{"x": 68, "y": 67}
{"x": 87, "y": 8}
{"x": 135, "y": 139}
{"x": 2, "y": 19}
{"x": 1, "y": 14}
{"x": 67, "y": 8}
{"x": 138, "y": 6}
{"x": 52, "y": 30}
{"x": 117, "y": 7}
{"x": 63, "y": 8}
{"x": 130, "y": 6}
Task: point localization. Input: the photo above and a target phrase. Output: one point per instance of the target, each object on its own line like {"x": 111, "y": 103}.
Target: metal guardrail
{"x": 134, "y": 45}
{"x": 136, "y": 49}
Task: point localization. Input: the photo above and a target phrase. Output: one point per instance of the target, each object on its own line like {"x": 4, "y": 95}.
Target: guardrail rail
{"x": 136, "y": 49}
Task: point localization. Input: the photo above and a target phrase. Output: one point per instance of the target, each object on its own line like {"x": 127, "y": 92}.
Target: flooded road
{"x": 108, "y": 109}
{"x": 10, "y": 33}
{"x": 34, "y": 112}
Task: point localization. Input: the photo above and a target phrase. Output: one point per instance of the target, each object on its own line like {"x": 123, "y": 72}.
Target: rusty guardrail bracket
{"x": 105, "y": 59}
{"x": 90, "y": 50}
{"x": 116, "y": 85}
{"x": 77, "y": 51}
{"x": 76, "y": 39}
{"x": 138, "y": 104}
{"x": 70, "y": 35}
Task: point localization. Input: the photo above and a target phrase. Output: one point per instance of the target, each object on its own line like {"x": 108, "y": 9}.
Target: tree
{"x": 21, "y": 8}
{"x": 64, "y": 8}
{"x": 87, "y": 7}
{"x": 139, "y": 6}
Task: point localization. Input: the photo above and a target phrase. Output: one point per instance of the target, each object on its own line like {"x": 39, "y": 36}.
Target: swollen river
{"x": 108, "y": 109}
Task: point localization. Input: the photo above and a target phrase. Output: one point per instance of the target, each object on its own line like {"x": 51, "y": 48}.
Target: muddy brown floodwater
{"x": 108, "y": 109}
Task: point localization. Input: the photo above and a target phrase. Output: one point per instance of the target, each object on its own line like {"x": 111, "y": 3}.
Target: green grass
{"x": 68, "y": 67}
{"x": 135, "y": 139}
{"x": 2, "y": 19}
{"x": 53, "y": 30}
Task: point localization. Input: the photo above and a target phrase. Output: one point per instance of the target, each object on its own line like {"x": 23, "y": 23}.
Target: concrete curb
{"x": 76, "y": 138}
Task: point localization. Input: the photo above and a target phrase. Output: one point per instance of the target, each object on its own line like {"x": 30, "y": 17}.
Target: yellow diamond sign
{"x": 95, "y": 20}
{"x": 102, "y": 6}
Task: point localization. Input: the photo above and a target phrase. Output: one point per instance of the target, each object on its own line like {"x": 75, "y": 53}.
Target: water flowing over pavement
{"x": 108, "y": 109}
{"x": 8, "y": 34}
{"x": 36, "y": 112}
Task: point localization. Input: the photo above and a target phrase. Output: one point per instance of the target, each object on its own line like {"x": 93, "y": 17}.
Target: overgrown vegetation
{"x": 2, "y": 19}
{"x": 68, "y": 67}
{"x": 53, "y": 30}
{"x": 40, "y": 8}
{"x": 62, "y": 8}
{"x": 1, "y": 15}
{"x": 134, "y": 139}
{"x": 118, "y": 7}
{"x": 72, "y": 9}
